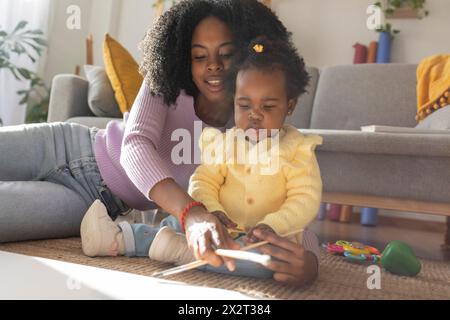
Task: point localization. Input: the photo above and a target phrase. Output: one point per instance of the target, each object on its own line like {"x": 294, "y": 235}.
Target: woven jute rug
{"x": 338, "y": 279}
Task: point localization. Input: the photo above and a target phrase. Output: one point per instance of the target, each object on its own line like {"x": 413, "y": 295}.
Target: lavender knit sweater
{"x": 134, "y": 156}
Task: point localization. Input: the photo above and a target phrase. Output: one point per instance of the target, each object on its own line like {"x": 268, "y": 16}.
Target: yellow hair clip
{"x": 259, "y": 48}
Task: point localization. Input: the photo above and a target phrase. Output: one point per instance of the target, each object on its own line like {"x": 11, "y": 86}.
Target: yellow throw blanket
{"x": 433, "y": 85}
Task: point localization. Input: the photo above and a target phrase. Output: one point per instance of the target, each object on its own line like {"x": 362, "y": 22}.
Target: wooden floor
{"x": 425, "y": 238}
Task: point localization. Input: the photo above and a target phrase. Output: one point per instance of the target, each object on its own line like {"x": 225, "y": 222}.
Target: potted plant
{"x": 30, "y": 43}
{"x": 386, "y": 31}
{"x": 406, "y": 9}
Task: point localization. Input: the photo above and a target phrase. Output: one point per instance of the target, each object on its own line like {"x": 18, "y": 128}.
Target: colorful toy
{"x": 354, "y": 251}
{"x": 397, "y": 258}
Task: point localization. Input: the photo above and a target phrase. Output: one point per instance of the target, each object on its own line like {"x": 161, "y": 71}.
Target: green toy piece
{"x": 400, "y": 259}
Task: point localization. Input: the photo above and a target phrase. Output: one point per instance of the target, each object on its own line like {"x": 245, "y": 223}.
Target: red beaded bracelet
{"x": 186, "y": 209}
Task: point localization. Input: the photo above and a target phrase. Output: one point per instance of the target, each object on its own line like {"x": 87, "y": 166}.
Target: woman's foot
{"x": 100, "y": 236}
{"x": 169, "y": 246}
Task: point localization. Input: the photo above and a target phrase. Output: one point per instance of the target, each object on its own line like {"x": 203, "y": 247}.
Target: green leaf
{"x": 33, "y": 59}
{"x": 22, "y": 24}
{"x": 25, "y": 73}
{"x": 5, "y": 54}
{"x": 24, "y": 99}
{"x": 40, "y": 41}
{"x": 396, "y": 3}
{"x": 14, "y": 72}
{"x": 35, "y": 48}
{"x": 18, "y": 48}
{"x": 38, "y": 32}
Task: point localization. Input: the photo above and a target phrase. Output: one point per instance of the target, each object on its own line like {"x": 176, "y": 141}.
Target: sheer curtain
{"x": 36, "y": 12}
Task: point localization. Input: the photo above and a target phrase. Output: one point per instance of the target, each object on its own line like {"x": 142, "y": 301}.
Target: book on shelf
{"x": 393, "y": 129}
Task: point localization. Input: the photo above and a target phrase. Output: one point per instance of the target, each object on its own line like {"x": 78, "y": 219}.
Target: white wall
{"x": 105, "y": 18}
{"x": 66, "y": 47}
{"x": 136, "y": 17}
{"x": 127, "y": 21}
{"x": 325, "y": 30}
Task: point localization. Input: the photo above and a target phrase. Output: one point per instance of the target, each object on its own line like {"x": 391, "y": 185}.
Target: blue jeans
{"x": 48, "y": 179}
{"x": 144, "y": 234}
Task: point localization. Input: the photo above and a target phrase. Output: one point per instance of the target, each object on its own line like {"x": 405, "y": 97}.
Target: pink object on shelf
{"x": 360, "y": 53}
{"x": 334, "y": 212}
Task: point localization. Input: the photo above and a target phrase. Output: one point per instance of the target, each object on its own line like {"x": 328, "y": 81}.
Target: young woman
{"x": 51, "y": 173}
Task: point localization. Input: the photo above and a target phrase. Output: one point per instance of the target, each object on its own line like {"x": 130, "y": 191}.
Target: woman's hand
{"x": 205, "y": 232}
{"x": 293, "y": 264}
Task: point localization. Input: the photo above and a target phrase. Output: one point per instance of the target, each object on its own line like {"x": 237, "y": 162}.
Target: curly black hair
{"x": 166, "y": 48}
{"x": 263, "y": 53}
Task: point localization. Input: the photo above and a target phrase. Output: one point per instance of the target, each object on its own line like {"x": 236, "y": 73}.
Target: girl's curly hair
{"x": 268, "y": 55}
{"x": 166, "y": 48}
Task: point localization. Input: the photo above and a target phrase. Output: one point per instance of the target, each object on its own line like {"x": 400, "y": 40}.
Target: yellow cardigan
{"x": 286, "y": 200}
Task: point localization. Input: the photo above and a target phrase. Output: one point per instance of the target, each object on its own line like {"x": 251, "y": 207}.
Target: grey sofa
{"x": 406, "y": 172}
{"x": 69, "y": 102}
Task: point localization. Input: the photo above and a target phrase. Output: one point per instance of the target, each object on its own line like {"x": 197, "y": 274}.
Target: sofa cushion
{"x": 123, "y": 72}
{"x": 101, "y": 99}
{"x": 68, "y": 98}
{"x": 438, "y": 120}
{"x": 352, "y": 96}
{"x": 301, "y": 116}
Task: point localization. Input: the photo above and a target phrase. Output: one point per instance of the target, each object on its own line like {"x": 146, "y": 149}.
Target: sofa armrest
{"x": 405, "y": 144}
{"x": 68, "y": 98}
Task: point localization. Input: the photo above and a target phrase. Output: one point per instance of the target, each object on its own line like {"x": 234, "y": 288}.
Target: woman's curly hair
{"x": 268, "y": 55}
{"x": 166, "y": 48}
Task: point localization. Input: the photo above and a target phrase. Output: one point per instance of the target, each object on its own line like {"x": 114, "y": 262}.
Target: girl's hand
{"x": 224, "y": 219}
{"x": 204, "y": 233}
{"x": 293, "y": 264}
{"x": 251, "y": 238}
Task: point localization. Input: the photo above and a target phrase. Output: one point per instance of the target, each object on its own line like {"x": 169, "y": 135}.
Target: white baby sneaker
{"x": 100, "y": 236}
{"x": 169, "y": 246}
